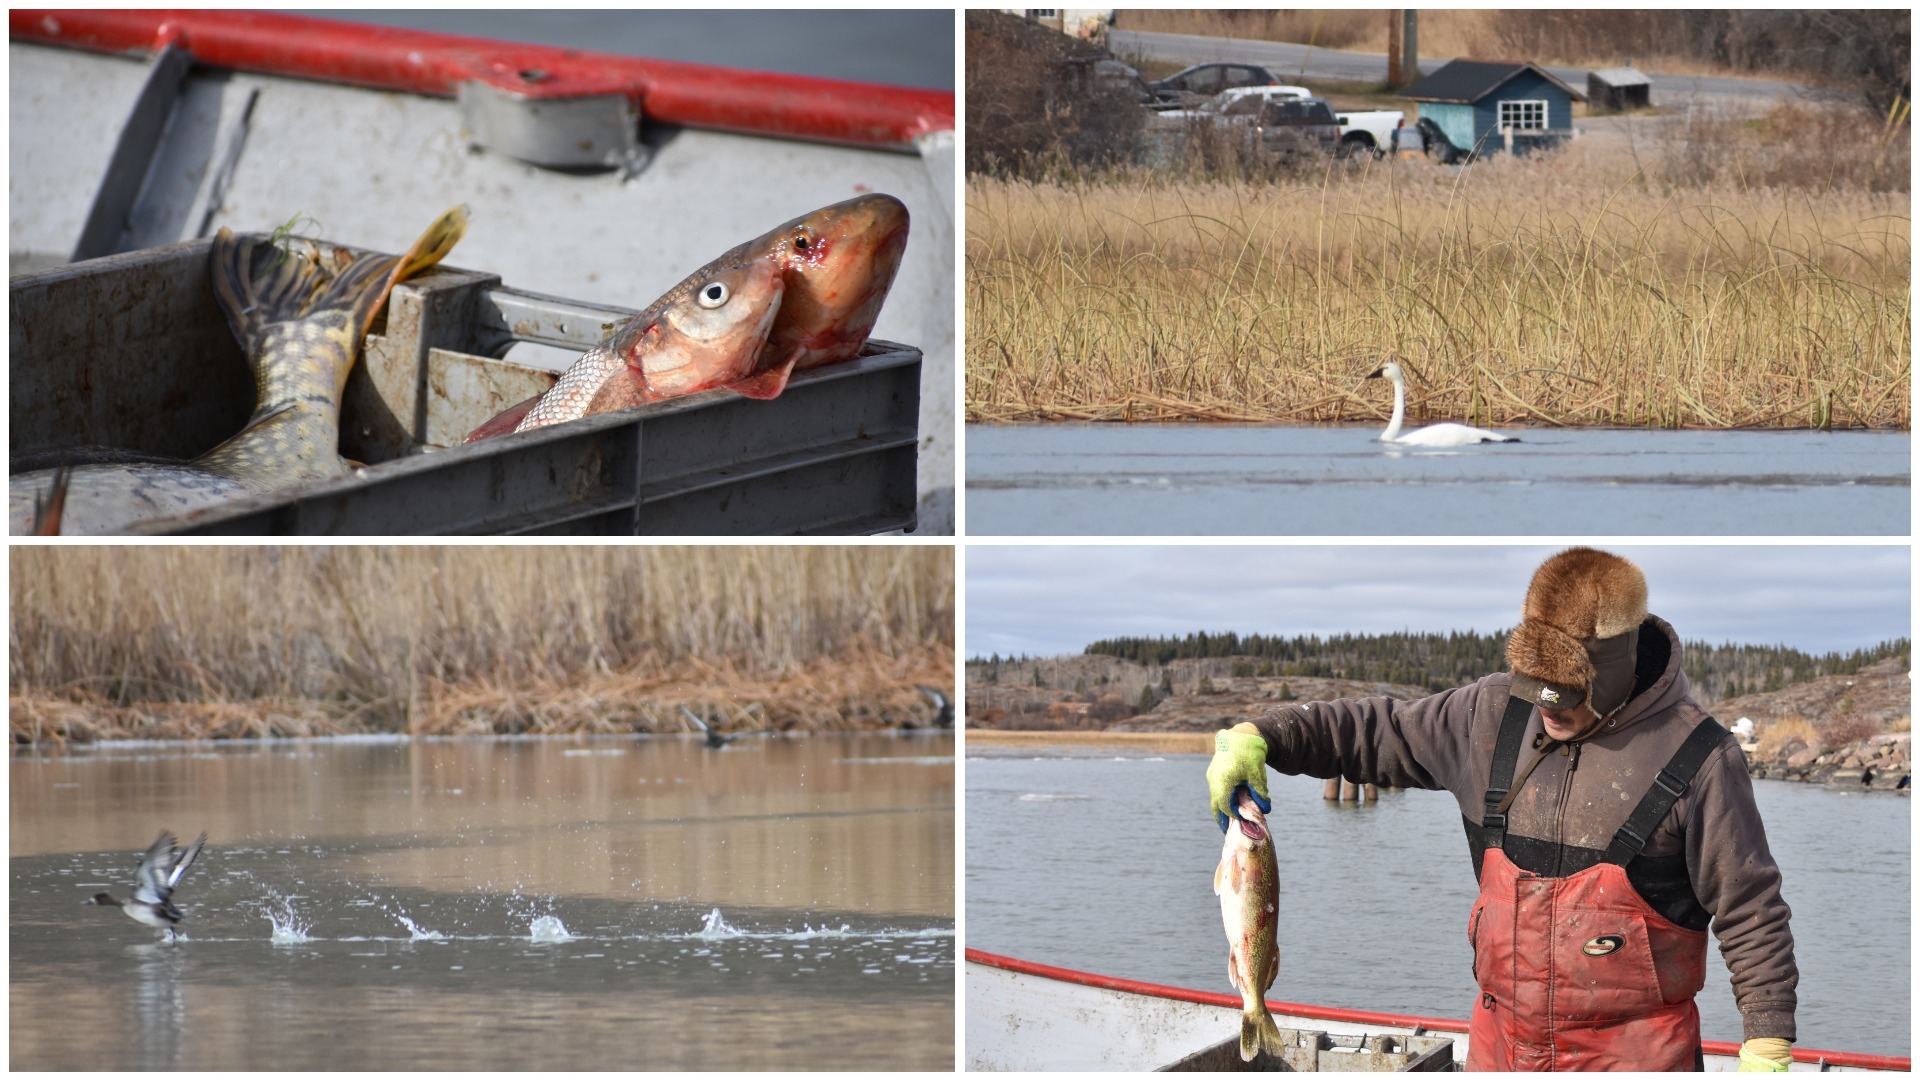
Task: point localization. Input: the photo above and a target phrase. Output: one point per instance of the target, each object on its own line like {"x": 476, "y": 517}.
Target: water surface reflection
{"x": 601, "y": 903}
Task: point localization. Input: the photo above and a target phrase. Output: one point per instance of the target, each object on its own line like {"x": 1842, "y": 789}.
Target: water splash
{"x": 288, "y": 927}
{"x": 414, "y": 929}
{"x": 548, "y": 929}
{"x": 716, "y": 927}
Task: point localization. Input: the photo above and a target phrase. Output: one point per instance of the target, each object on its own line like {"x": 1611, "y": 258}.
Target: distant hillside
{"x": 1146, "y": 685}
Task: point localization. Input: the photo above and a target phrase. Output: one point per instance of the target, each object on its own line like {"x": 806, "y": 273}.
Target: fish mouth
{"x": 1252, "y": 830}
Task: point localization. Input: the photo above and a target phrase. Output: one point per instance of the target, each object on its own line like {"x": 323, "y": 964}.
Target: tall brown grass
{"x": 316, "y": 639}
{"x": 1601, "y": 288}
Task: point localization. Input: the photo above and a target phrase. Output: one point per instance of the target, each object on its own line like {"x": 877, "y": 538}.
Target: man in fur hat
{"x": 1610, "y": 821}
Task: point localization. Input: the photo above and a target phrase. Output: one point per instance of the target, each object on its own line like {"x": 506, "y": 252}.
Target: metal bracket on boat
{"x": 133, "y": 155}
{"x": 599, "y": 131}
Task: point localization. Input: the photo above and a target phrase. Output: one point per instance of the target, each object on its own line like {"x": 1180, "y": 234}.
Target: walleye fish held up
{"x": 300, "y": 317}
{"x": 1248, "y": 884}
{"x": 833, "y": 267}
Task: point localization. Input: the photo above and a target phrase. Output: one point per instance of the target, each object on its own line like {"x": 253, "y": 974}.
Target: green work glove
{"x": 1765, "y": 1055}
{"x": 1239, "y": 760}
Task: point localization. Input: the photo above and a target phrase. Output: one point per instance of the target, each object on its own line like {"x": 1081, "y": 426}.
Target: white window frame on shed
{"x": 1529, "y": 110}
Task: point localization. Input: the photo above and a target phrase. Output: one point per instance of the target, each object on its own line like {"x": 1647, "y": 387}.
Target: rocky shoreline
{"x": 1876, "y": 763}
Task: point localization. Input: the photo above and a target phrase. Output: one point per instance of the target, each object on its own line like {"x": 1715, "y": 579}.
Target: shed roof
{"x": 1468, "y": 81}
{"x": 1620, "y": 76}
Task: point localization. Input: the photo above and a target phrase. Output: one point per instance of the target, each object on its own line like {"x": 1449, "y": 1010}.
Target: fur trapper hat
{"x": 1579, "y": 631}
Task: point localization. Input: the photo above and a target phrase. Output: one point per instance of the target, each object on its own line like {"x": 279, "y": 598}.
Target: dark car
{"x": 1291, "y": 126}
{"x": 1202, "y": 81}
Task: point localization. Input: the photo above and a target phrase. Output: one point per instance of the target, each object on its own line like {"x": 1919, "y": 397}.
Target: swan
{"x": 1437, "y": 434}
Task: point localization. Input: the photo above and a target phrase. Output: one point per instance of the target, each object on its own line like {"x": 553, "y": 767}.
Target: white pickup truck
{"x": 1373, "y": 130}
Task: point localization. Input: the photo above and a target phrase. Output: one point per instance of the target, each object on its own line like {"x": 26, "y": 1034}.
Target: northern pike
{"x": 835, "y": 267}
{"x": 1248, "y": 884}
{"x": 300, "y": 317}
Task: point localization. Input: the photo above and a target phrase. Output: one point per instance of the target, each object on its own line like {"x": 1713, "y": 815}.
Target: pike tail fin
{"x": 1258, "y": 1033}
{"x": 260, "y": 282}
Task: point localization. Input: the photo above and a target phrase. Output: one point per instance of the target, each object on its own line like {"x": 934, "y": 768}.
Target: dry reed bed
{"x": 1549, "y": 291}
{"x": 171, "y": 642}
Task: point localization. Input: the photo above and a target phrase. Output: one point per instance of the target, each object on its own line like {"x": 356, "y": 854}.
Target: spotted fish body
{"x": 834, "y": 267}
{"x": 1248, "y": 883}
{"x": 300, "y": 317}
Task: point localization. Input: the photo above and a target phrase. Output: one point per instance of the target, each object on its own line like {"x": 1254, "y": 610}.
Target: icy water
{"x": 492, "y": 904}
{"x": 1101, "y": 863}
{"x": 1209, "y": 479}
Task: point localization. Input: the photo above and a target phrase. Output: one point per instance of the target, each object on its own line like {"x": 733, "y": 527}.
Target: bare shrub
{"x": 1033, "y": 104}
{"x": 1796, "y": 145}
{"x": 1840, "y": 729}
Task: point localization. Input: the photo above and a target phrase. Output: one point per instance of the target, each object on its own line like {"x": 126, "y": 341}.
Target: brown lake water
{"x": 616, "y": 903}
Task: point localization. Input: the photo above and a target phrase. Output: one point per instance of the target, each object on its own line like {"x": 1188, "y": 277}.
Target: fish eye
{"x": 803, "y": 241}
{"x": 713, "y": 294}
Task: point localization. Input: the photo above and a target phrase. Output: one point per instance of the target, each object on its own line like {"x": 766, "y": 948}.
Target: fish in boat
{"x": 1248, "y": 883}
{"x": 835, "y": 267}
{"x": 705, "y": 332}
{"x": 300, "y": 315}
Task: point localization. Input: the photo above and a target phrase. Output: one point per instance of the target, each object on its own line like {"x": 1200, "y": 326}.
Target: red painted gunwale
{"x": 415, "y": 61}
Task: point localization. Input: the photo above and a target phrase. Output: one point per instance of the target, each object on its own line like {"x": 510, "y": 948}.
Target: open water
{"x": 1213, "y": 479}
{"x": 1104, "y": 863}
{"x": 488, "y": 904}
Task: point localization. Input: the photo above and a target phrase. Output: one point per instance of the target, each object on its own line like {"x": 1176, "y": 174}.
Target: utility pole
{"x": 1410, "y": 48}
{"x": 1403, "y": 48}
{"x": 1395, "y": 24}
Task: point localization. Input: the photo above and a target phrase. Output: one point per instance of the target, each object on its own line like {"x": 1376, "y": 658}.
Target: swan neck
{"x": 1399, "y": 410}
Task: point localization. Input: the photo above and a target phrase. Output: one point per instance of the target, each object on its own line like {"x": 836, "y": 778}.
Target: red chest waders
{"x": 1580, "y": 972}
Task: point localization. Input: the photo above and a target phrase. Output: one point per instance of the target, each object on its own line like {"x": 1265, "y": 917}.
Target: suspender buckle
{"x": 1494, "y": 818}
{"x": 1670, "y": 783}
{"x": 1628, "y": 836}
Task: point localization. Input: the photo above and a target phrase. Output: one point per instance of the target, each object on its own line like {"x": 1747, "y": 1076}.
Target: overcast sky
{"x": 1052, "y": 600}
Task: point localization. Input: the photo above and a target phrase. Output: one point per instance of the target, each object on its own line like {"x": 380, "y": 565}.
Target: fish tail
{"x": 259, "y": 282}
{"x": 1258, "y": 1033}
{"x": 350, "y": 288}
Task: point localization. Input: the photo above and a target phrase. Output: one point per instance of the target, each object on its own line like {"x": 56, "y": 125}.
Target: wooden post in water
{"x": 1339, "y": 789}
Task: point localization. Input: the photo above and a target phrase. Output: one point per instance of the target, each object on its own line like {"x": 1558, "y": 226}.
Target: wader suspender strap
{"x": 1506, "y": 754}
{"x": 1668, "y": 785}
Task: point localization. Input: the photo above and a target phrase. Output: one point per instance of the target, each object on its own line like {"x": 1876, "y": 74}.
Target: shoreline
{"x": 1179, "y": 742}
{"x": 1062, "y": 415}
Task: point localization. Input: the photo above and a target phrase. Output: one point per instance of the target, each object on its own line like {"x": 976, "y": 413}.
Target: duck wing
{"x": 162, "y": 867}
{"x": 184, "y": 861}
{"x": 150, "y": 877}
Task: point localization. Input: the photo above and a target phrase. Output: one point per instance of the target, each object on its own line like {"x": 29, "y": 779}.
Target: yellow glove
{"x": 1765, "y": 1055}
{"x": 1239, "y": 760}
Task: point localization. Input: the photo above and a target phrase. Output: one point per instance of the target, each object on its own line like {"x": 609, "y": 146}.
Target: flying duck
{"x": 160, "y": 871}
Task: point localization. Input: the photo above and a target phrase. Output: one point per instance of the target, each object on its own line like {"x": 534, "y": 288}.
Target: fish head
{"x": 711, "y": 333}
{"x": 1253, "y": 823}
{"x": 839, "y": 262}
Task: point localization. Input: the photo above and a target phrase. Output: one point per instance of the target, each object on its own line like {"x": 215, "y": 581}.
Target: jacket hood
{"x": 1658, "y": 682}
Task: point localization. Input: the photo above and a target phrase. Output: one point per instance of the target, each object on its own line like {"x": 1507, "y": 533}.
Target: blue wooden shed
{"x": 1476, "y": 106}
